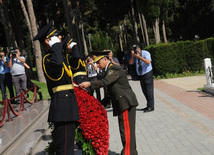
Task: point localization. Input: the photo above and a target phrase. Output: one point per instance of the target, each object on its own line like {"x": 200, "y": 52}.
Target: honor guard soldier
{"x": 123, "y": 98}
{"x": 63, "y": 110}
{"x": 74, "y": 59}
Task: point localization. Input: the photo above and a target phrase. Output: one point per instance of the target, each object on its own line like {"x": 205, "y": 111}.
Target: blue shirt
{"x": 116, "y": 60}
{"x": 2, "y": 66}
{"x": 145, "y": 67}
{"x": 7, "y": 69}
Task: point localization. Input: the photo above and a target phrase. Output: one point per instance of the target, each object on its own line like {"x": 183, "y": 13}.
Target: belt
{"x": 62, "y": 87}
{"x": 79, "y": 73}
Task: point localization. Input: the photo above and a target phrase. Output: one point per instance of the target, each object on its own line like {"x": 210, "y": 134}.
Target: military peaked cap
{"x": 67, "y": 41}
{"x": 99, "y": 55}
{"x": 46, "y": 32}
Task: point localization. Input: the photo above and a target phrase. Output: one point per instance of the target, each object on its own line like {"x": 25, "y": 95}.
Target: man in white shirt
{"x": 92, "y": 71}
{"x": 17, "y": 70}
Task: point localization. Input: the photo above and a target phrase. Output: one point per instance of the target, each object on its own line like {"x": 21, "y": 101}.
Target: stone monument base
{"x": 209, "y": 89}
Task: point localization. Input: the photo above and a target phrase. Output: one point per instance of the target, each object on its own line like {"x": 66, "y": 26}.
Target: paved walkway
{"x": 182, "y": 123}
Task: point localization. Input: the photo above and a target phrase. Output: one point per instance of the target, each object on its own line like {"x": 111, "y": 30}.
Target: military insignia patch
{"x": 110, "y": 72}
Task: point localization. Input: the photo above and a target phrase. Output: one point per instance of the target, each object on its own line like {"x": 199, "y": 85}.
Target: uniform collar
{"x": 107, "y": 66}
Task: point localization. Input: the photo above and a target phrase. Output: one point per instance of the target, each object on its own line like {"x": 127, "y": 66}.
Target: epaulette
{"x": 110, "y": 65}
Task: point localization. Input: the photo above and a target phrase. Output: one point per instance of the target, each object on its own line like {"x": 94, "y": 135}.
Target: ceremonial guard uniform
{"x": 75, "y": 61}
{"x": 63, "y": 110}
{"x": 124, "y": 103}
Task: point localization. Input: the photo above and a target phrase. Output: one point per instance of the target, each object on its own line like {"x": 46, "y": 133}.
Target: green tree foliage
{"x": 193, "y": 17}
{"x": 151, "y": 8}
{"x": 101, "y": 41}
{"x": 182, "y": 56}
{"x": 183, "y": 19}
{"x": 111, "y": 12}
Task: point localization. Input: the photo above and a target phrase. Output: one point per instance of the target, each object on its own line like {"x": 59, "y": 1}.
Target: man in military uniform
{"x": 75, "y": 60}
{"x": 63, "y": 110}
{"x": 124, "y": 101}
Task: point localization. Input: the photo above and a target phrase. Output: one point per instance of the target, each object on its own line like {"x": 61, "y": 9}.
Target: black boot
{"x": 40, "y": 95}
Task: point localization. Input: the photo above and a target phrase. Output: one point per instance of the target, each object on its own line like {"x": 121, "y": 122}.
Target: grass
{"x": 201, "y": 89}
{"x": 176, "y": 75}
{"x": 43, "y": 89}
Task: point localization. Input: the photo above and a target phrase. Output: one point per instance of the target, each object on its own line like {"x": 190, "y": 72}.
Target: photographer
{"x": 92, "y": 71}
{"x": 16, "y": 64}
{"x": 2, "y": 74}
{"x": 142, "y": 61}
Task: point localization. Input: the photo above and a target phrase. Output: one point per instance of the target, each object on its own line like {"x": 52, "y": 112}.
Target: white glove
{"x": 72, "y": 44}
{"x": 54, "y": 40}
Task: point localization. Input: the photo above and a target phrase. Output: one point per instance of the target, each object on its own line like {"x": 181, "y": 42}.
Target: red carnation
{"x": 93, "y": 121}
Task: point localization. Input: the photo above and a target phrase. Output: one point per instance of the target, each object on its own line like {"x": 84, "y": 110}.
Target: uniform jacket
{"x": 77, "y": 65}
{"x": 63, "y": 106}
{"x": 119, "y": 90}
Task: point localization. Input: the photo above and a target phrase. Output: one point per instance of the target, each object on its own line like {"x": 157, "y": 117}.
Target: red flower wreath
{"x": 93, "y": 121}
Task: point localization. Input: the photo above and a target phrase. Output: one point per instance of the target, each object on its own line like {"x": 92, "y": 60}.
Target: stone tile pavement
{"x": 182, "y": 123}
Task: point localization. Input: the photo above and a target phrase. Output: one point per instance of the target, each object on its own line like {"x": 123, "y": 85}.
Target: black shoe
{"x": 108, "y": 106}
{"x": 149, "y": 109}
{"x": 40, "y": 95}
{"x": 144, "y": 109}
{"x": 13, "y": 102}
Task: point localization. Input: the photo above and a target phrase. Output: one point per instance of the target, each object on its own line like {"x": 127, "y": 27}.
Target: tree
{"x": 16, "y": 23}
{"x": 26, "y": 18}
{"x": 143, "y": 24}
{"x": 164, "y": 15}
{"x": 11, "y": 42}
{"x": 135, "y": 27}
{"x": 193, "y": 17}
{"x": 151, "y": 9}
{"x": 36, "y": 45}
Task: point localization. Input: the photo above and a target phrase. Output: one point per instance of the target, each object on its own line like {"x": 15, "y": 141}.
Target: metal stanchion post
{"x": 34, "y": 88}
{"x": 21, "y": 99}
{"x": 8, "y": 109}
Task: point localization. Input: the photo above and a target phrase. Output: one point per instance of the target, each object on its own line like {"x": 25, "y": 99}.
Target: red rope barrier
{"x": 8, "y": 106}
{"x": 13, "y": 111}
{"x": 4, "y": 114}
{"x": 34, "y": 95}
{"x": 8, "y": 112}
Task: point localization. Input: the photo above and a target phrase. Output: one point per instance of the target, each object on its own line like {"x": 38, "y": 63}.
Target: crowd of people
{"x": 64, "y": 67}
{"x": 13, "y": 72}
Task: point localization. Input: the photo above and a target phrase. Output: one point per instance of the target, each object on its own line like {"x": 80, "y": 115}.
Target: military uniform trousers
{"x": 64, "y": 134}
{"x": 126, "y": 122}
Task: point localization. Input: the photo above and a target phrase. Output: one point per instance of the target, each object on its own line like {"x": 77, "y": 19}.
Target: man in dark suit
{"x": 124, "y": 101}
{"x": 63, "y": 110}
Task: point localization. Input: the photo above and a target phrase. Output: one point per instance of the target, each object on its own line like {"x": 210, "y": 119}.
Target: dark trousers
{"x": 126, "y": 122}
{"x": 147, "y": 86}
{"x": 9, "y": 84}
{"x": 3, "y": 87}
{"x": 64, "y": 134}
{"x": 96, "y": 90}
{"x": 20, "y": 81}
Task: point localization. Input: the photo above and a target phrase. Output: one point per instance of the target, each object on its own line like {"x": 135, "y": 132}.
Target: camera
{"x": 135, "y": 49}
{"x": 14, "y": 52}
{"x": 1, "y": 56}
{"x": 88, "y": 61}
